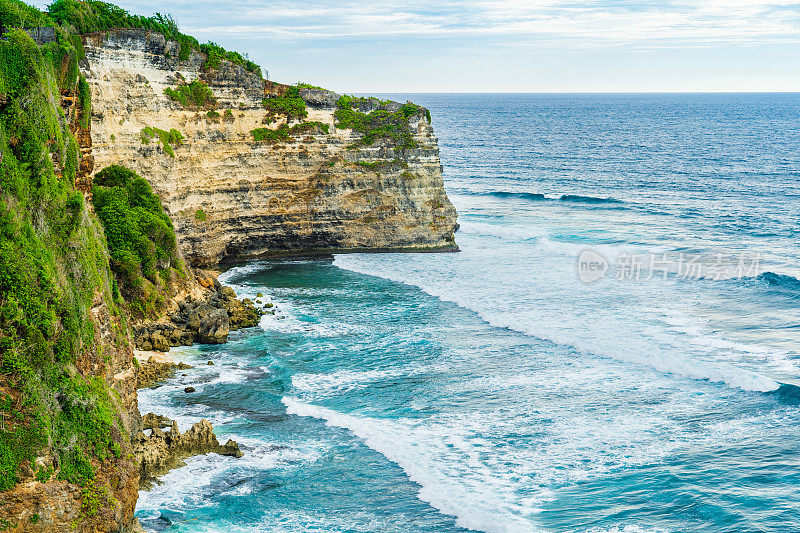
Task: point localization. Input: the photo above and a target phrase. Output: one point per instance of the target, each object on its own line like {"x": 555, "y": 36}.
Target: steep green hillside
{"x": 141, "y": 239}
{"x": 69, "y": 274}
{"x": 53, "y": 263}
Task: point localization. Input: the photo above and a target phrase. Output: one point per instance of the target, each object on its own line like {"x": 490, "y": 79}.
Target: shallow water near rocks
{"x": 492, "y": 390}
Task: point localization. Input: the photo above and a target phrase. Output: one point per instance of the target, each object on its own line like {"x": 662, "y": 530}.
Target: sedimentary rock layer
{"x": 233, "y": 198}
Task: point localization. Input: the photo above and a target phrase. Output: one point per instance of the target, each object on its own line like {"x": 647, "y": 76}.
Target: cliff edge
{"x": 235, "y": 195}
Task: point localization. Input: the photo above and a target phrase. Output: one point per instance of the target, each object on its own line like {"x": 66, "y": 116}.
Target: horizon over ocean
{"x": 616, "y": 348}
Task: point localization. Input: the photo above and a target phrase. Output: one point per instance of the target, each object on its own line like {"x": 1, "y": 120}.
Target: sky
{"x": 384, "y": 46}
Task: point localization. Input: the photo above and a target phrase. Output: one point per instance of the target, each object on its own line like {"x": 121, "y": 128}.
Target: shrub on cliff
{"x": 290, "y": 105}
{"x": 285, "y": 133}
{"x": 379, "y": 123}
{"x": 52, "y": 264}
{"x": 140, "y": 236}
{"x": 193, "y": 95}
{"x": 169, "y": 139}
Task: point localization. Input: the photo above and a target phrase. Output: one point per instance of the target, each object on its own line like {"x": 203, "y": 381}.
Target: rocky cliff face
{"x": 232, "y": 198}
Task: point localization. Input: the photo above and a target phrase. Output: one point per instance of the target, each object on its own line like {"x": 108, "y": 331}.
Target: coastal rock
{"x": 214, "y": 327}
{"x": 204, "y": 321}
{"x": 230, "y": 448}
{"x": 152, "y": 371}
{"x": 162, "y": 451}
{"x": 159, "y": 343}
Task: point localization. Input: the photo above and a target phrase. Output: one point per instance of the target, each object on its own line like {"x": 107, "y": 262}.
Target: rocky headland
{"x": 242, "y": 168}
{"x": 160, "y": 451}
{"x": 234, "y": 196}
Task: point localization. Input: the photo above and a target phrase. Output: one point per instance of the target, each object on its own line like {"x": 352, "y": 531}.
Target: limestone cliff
{"x": 232, "y": 198}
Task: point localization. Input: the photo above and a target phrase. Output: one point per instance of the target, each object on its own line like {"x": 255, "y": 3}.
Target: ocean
{"x": 616, "y": 348}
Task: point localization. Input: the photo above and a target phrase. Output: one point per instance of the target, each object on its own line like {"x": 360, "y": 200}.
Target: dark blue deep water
{"x": 615, "y": 349}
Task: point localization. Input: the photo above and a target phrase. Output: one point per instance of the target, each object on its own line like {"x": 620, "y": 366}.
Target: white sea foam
{"x": 287, "y": 320}
{"x": 437, "y": 461}
{"x": 540, "y": 296}
{"x": 237, "y": 273}
{"x": 466, "y": 470}
{"x": 346, "y": 380}
{"x": 189, "y": 487}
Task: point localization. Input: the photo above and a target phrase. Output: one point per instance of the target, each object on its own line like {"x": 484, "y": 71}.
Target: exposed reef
{"x": 161, "y": 451}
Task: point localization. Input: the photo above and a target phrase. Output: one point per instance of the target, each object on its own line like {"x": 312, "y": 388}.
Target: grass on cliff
{"x": 168, "y": 139}
{"x": 53, "y": 262}
{"x": 192, "y": 95}
{"x": 380, "y": 123}
{"x": 304, "y": 85}
{"x": 140, "y": 236}
{"x": 285, "y": 133}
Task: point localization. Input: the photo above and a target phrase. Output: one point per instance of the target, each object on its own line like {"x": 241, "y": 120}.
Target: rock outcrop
{"x": 206, "y": 320}
{"x": 232, "y": 198}
{"x": 151, "y": 372}
{"x": 162, "y": 451}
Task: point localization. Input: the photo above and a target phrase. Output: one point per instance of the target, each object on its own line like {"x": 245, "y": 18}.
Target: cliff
{"x": 68, "y": 403}
{"x": 234, "y": 198}
{"x": 244, "y": 168}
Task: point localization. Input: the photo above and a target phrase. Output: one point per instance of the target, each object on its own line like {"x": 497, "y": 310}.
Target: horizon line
{"x": 570, "y": 92}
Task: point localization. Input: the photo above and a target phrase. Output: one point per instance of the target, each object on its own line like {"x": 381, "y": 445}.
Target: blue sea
{"x": 616, "y": 348}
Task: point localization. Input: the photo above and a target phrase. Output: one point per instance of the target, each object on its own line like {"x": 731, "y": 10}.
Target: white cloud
{"x": 562, "y": 22}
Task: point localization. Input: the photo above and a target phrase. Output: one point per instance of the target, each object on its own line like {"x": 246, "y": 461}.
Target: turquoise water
{"x": 492, "y": 389}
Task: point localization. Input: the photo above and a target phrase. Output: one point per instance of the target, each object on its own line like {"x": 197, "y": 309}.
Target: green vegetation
{"x": 378, "y": 165}
{"x": 303, "y": 85}
{"x": 284, "y": 133}
{"x": 92, "y": 15}
{"x": 290, "y": 105}
{"x": 84, "y": 102}
{"x": 269, "y": 135}
{"x": 193, "y": 95}
{"x": 213, "y": 115}
{"x": 169, "y": 139}
{"x": 380, "y": 123}
{"x": 140, "y": 236}
{"x": 52, "y": 262}
{"x": 43, "y": 474}
{"x": 15, "y": 14}
{"x": 200, "y": 215}
{"x": 216, "y": 54}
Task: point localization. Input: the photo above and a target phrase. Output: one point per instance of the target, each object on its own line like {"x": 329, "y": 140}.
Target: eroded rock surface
{"x": 206, "y": 321}
{"x": 161, "y": 451}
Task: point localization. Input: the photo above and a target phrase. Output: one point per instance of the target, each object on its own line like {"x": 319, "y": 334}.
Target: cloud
{"x": 557, "y": 22}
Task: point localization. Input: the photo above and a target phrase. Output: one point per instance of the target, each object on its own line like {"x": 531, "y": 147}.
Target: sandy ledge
{"x": 144, "y": 356}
